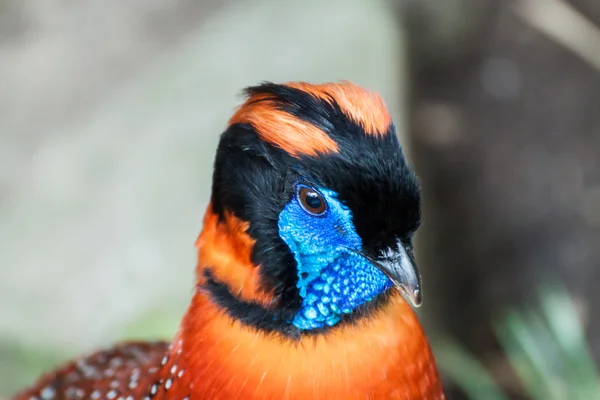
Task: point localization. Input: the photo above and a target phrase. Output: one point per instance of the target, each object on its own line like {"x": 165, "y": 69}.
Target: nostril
{"x": 340, "y": 229}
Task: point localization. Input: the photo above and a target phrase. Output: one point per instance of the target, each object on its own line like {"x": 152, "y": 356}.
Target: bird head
{"x": 313, "y": 210}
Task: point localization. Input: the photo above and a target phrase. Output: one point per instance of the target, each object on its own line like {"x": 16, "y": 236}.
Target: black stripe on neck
{"x": 247, "y": 312}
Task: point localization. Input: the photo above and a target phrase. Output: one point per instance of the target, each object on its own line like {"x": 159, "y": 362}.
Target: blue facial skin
{"x": 332, "y": 280}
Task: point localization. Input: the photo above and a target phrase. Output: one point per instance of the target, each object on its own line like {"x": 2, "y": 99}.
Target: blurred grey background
{"x": 110, "y": 113}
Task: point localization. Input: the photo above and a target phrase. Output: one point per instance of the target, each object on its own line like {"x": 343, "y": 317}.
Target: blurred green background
{"x": 110, "y": 112}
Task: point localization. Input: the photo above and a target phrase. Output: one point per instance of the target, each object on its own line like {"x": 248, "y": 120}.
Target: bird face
{"x": 318, "y": 174}
{"x": 334, "y": 278}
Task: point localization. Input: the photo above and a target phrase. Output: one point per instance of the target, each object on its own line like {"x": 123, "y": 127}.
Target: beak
{"x": 399, "y": 265}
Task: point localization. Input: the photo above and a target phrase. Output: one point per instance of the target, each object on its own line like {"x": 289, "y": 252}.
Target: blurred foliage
{"x": 20, "y": 365}
{"x": 546, "y": 347}
{"x": 465, "y": 370}
{"x": 156, "y": 325}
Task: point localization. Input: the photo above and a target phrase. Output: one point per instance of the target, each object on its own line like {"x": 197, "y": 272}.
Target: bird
{"x": 305, "y": 282}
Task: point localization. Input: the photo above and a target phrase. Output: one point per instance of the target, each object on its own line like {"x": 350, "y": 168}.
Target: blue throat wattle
{"x": 332, "y": 279}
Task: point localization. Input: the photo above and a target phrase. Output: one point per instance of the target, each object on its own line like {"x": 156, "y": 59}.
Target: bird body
{"x": 305, "y": 242}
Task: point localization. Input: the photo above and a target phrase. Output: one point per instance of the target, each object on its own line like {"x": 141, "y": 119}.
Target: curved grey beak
{"x": 399, "y": 265}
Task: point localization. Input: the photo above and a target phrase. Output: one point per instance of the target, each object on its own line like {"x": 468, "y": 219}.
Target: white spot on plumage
{"x": 115, "y": 362}
{"x": 168, "y": 384}
{"x": 48, "y": 393}
{"x": 70, "y": 392}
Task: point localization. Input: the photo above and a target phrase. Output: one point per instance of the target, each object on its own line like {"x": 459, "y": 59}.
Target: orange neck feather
{"x": 384, "y": 357}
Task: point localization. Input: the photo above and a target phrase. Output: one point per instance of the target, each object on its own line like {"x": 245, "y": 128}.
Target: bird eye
{"x": 312, "y": 201}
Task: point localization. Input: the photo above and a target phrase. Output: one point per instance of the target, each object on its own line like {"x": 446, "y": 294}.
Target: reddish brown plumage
{"x": 214, "y": 356}
{"x": 125, "y": 371}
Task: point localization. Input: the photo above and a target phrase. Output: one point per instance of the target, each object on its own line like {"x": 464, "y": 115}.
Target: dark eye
{"x": 311, "y": 201}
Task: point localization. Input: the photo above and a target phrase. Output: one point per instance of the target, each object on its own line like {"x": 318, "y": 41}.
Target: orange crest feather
{"x": 298, "y": 137}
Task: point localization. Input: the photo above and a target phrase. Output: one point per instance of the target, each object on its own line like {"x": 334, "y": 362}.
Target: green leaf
{"x": 581, "y": 373}
{"x": 465, "y": 370}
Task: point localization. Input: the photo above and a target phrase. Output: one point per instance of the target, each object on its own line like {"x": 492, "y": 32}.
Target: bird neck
{"x": 383, "y": 356}
{"x": 225, "y": 250}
